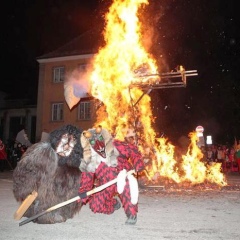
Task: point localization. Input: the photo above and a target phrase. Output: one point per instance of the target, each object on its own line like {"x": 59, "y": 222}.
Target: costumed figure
{"x": 51, "y": 168}
{"x": 105, "y": 159}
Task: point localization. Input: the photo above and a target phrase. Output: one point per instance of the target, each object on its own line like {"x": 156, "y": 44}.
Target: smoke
{"x": 76, "y": 86}
{"x": 153, "y": 36}
{"x": 79, "y": 81}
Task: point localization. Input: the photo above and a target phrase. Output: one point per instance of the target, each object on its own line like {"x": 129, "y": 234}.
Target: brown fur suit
{"x": 55, "y": 176}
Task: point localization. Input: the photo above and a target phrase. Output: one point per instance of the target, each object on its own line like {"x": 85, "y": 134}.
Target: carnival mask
{"x": 96, "y": 140}
{"x": 66, "y": 145}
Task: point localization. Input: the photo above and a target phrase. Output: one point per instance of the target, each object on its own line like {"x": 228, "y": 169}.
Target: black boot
{"x": 117, "y": 205}
{"x": 131, "y": 220}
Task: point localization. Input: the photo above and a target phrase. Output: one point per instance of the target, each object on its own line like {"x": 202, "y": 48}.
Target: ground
{"x": 163, "y": 214}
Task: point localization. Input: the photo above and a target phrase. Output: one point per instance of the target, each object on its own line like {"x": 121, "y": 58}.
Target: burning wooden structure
{"x": 173, "y": 79}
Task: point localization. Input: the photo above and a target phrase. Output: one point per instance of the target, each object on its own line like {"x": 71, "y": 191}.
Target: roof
{"x": 86, "y": 43}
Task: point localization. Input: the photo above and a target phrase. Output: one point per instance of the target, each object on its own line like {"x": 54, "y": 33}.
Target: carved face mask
{"x": 96, "y": 140}
{"x": 98, "y": 144}
{"x": 66, "y": 145}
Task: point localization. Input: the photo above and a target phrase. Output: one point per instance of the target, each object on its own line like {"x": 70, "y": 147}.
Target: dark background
{"x": 200, "y": 35}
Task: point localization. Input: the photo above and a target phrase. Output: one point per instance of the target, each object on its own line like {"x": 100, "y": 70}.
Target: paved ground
{"x": 194, "y": 215}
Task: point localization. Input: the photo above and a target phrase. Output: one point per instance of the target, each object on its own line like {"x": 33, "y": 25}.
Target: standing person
{"x": 237, "y": 156}
{"x": 106, "y": 169}
{"x": 229, "y": 159}
{"x": 219, "y": 154}
{"x": 214, "y": 153}
{"x": 231, "y": 154}
{"x": 209, "y": 155}
{"x": 3, "y": 156}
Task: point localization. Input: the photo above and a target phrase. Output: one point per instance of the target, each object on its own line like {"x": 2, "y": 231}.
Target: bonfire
{"x": 122, "y": 75}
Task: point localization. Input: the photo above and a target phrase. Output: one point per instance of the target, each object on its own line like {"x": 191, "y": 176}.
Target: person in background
{"x": 214, "y": 153}
{"x": 230, "y": 163}
{"x": 231, "y": 154}
{"x": 3, "y": 156}
{"x": 220, "y": 154}
{"x": 237, "y": 156}
{"x": 209, "y": 154}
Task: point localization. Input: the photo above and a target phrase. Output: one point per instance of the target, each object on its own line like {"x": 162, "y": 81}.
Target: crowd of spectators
{"x": 229, "y": 157}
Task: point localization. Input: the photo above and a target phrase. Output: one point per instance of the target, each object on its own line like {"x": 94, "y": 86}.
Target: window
{"x": 57, "y": 111}
{"x": 58, "y": 74}
{"x": 84, "y": 111}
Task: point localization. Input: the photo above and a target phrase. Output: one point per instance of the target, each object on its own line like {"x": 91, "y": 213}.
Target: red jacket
{"x": 3, "y": 154}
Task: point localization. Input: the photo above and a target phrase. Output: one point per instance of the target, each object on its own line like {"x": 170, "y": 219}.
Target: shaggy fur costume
{"x": 53, "y": 174}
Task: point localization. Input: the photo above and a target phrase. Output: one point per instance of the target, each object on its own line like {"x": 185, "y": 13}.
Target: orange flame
{"x": 195, "y": 170}
{"x": 115, "y": 70}
{"x": 116, "y": 67}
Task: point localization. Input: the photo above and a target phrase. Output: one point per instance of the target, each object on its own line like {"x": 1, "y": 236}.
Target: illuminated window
{"x": 84, "y": 111}
{"x": 58, "y": 74}
{"x": 57, "y": 111}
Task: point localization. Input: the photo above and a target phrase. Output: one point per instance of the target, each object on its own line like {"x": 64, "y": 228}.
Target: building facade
{"x": 52, "y": 109}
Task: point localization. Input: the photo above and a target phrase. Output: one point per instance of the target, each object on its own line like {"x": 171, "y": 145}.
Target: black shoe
{"x": 117, "y": 205}
{"x": 131, "y": 220}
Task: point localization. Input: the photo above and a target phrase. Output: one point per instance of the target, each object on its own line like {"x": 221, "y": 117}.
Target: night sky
{"x": 198, "y": 34}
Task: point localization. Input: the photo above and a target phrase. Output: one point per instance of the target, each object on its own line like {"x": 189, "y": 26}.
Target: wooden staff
{"x": 82, "y": 195}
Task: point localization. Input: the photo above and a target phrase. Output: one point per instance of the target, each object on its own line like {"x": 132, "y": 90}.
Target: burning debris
{"x": 163, "y": 80}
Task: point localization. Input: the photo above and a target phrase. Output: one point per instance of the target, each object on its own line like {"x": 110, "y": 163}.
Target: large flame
{"x": 116, "y": 67}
